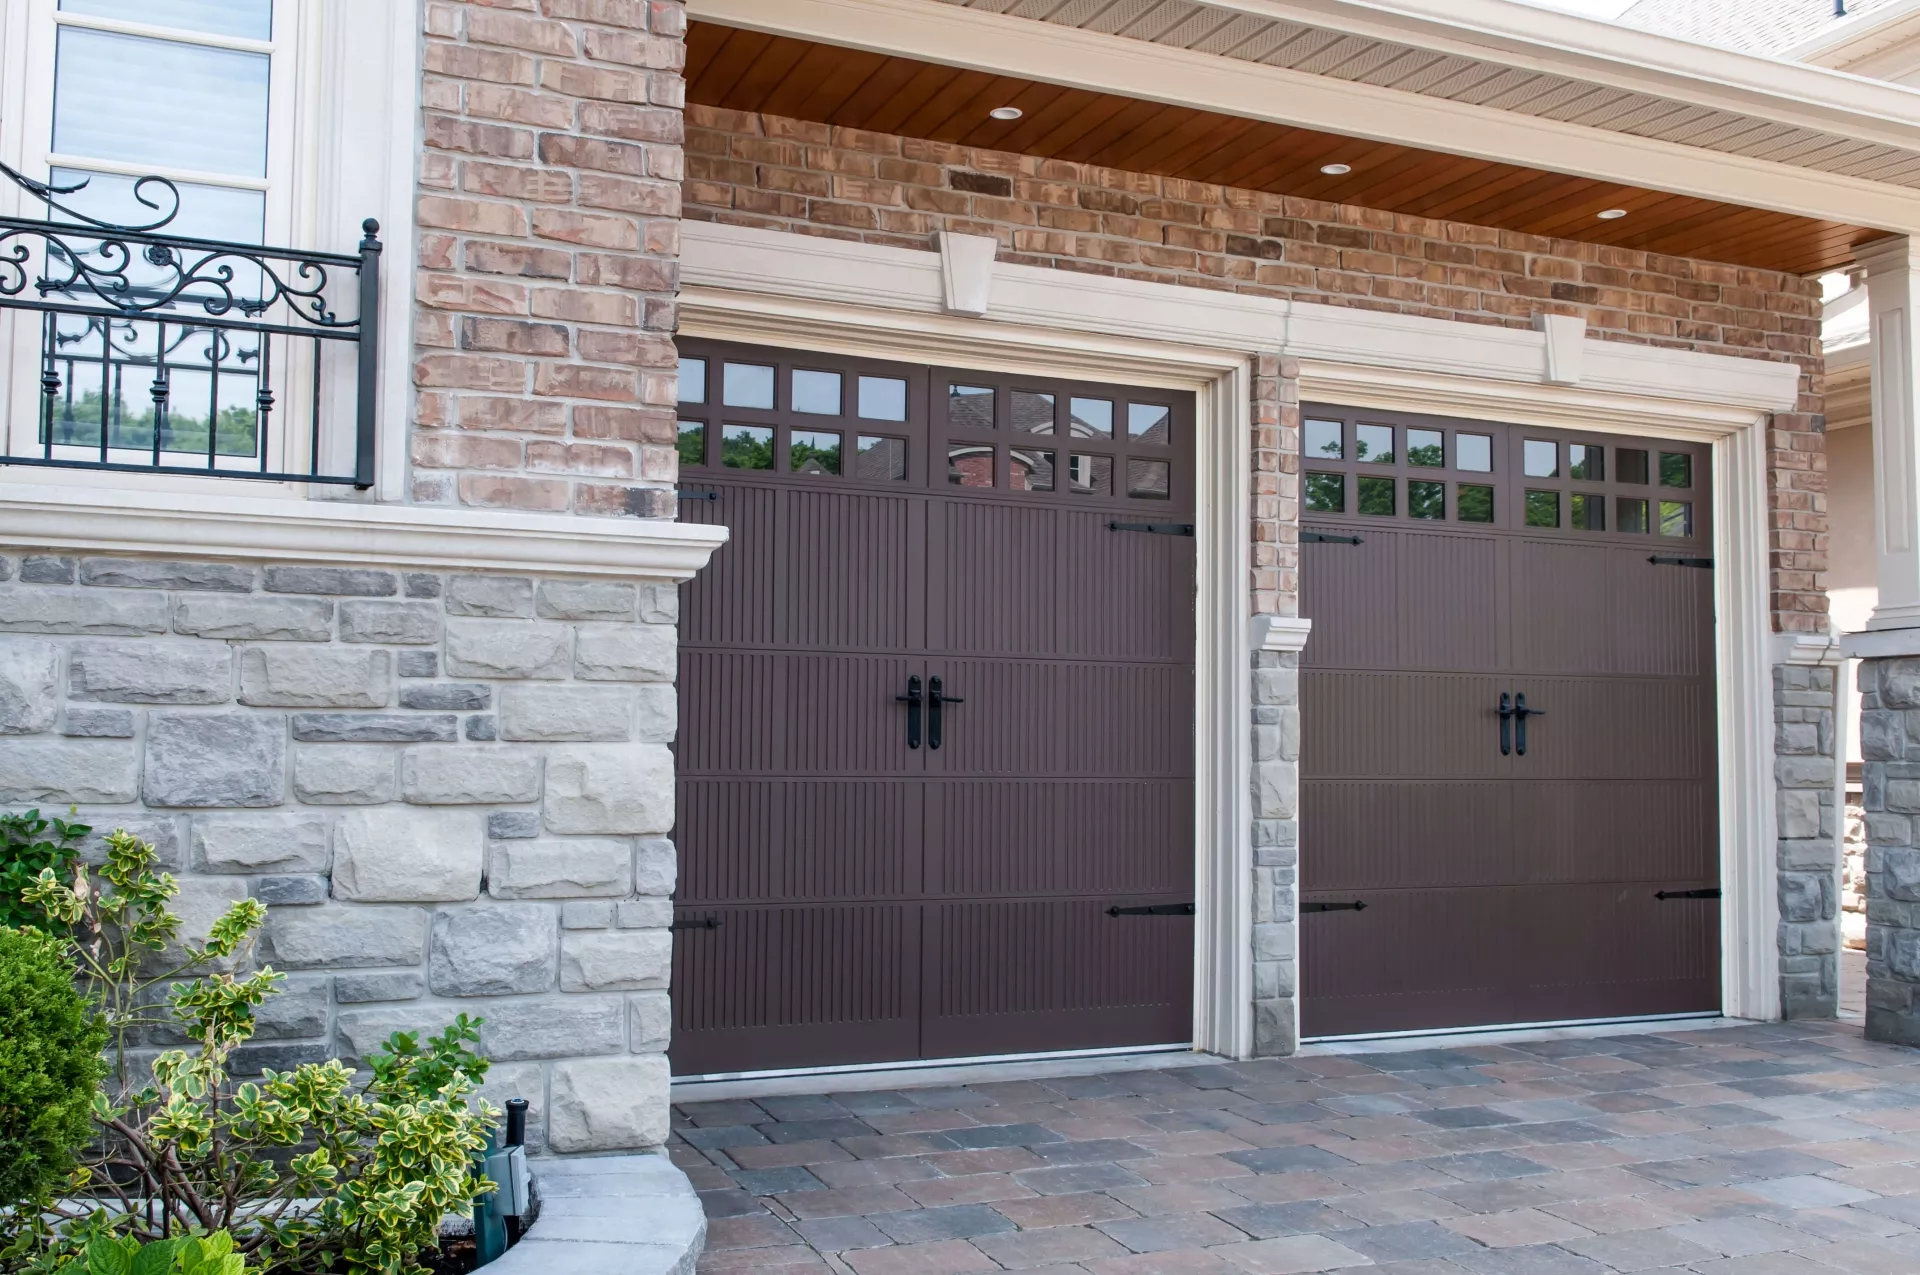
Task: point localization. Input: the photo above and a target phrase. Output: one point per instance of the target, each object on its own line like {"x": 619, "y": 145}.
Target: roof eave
{"x": 1546, "y": 40}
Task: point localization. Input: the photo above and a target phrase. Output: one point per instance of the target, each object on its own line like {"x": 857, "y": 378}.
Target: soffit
{"x": 1298, "y": 46}
{"x": 755, "y": 71}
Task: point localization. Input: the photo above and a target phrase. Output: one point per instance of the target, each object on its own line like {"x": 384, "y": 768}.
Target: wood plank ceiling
{"x": 824, "y": 84}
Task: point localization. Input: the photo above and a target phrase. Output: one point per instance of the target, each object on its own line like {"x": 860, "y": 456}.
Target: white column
{"x": 1893, "y": 296}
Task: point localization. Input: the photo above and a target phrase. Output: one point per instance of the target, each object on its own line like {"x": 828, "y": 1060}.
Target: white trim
{"x": 1856, "y": 42}
{"x": 1281, "y": 634}
{"x": 984, "y": 1069}
{"x": 1511, "y": 1029}
{"x": 947, "y": 35}
{"x": 1566, "y": 338}
{"x": 926, "y": 1064}
{"x": 213, "y": 523}
{"x": 1749, "y": 884}
{"x": 180, "y": 35}
{"x": 966, "y": 271}
{"x": 1882, "y": 644}
{"x": 359, "y": 147}
{"x": 1532, "y": 37}
{"x": 856, "y": 298}
{"x": 1343, "y": 350}
{"x": 1452, "y": 1038}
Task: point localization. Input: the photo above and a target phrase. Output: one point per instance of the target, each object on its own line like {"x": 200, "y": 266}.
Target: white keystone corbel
{"x": 1282, "y": 633}
{"x": 966, "y": 271}
{"x": 1566, "y": 339}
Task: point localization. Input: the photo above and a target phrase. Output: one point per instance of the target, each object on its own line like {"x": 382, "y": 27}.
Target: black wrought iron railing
{"x": 164, "y": 353}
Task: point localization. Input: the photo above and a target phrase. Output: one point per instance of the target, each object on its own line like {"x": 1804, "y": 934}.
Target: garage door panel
{"x": 1509, "y": 955}
{"x": 1360, "y": 835}
{"x": 1399, "y": 725}
{"x": 799, "y": 984}
{"x": 1115, "y": 590}
{"x": 1619, "y": 728}
{"x": 1058, "y": 837}
{"x": 735, "y": 600}
{"x": 1352, "y": 591}
{"x": 782, "y": 840}
{"x": 999, "y": 579}
{"x": 1563, "y": 608}
{"x": 1129, "y": 719}
{"x": 793, "y": 713}
{"x": 1042, "y": 974}
{"x": 1015, "y": 719}
{"x": 847, "y": 560}
{"x": 1601, "y": 830}
{"x": 1449, "y": 612}
{"x": 1663, "y": 617}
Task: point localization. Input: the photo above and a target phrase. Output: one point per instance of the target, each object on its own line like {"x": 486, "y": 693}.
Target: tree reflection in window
{"x": 746, "y": 447}
{"x": 813, "y": 452}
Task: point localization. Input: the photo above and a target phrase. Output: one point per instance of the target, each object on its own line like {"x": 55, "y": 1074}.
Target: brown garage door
{"x": 1462, "y": 862}
{"x": 937, "y": 714}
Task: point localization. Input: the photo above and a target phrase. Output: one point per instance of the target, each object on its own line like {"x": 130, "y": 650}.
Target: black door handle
{"x": 1520, "y": 715}
{"x": 934, "y": 700}
{"x": 912, "y": 700}
{"x": 1506, "y": 724}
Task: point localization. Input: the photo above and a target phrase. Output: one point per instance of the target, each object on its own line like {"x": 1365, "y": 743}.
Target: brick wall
{"x": 548, "y": 255}
{"x": 786, "y": 174}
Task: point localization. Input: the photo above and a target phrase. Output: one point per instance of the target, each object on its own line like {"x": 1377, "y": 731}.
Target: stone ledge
{"x": 612, "y": 1215}
{"x": 216, "y": 523}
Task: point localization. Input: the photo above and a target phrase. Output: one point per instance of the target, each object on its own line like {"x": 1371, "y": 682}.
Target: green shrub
{"x": 26, "y": 849}
{"x": 312, "y": 1169}
{"x": 50, "y": 1043}
{"x": 183, "y": 1255}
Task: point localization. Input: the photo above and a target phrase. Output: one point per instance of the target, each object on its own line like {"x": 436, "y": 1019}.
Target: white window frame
{"x": 342, "y": 120}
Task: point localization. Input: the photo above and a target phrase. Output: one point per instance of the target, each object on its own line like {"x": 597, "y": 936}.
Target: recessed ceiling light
{"x": 1613, "y": 214}
{"x": 1336, "y": 170}
{"x": 1006, "y": 112}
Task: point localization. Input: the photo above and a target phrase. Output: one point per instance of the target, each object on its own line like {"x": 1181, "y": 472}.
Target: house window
{"x": 199, "y": 92}
{"x": 186, "y": 89}
{"x": 202, "y": 114}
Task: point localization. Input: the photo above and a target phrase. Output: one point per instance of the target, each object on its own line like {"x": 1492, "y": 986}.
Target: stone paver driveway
{"x": 1765, "y": 1150}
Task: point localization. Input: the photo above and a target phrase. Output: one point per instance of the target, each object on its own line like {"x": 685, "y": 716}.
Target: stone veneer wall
{"x": 785, "y": 174}
{"x": 451, "y": 790}
{"x": 1807, "y": 824}
{"x": 1890, "y": 770}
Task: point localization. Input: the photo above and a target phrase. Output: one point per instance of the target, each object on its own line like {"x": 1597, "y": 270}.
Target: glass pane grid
{"x": 1574, "y": 488}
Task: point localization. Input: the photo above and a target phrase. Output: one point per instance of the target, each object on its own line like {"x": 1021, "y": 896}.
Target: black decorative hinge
{"x": 1664, "y": 895}
{"x": 1157, "y": 909}
{"x": 1326, "y": 538}
{"x": 707, "y": 922}
{"x": 1154, "y": 528}
{"x": 1660, "y": 560}
{"x": 1355, "y": 906}
{"x": 688, "y": 493}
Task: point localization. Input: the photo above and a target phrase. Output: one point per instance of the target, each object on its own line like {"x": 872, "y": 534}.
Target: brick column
{"x": 1275, "y": 592}
{"x": 549, "y": 246}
